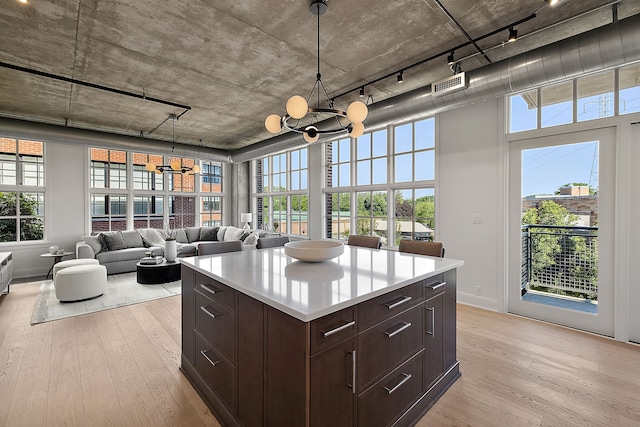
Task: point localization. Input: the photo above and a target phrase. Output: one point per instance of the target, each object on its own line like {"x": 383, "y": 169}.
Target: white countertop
{"x": 308, "y": 291}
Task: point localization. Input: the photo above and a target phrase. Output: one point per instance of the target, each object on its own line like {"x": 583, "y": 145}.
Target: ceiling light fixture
{"x": 23, "y": 1}
{"x": 298, "y": 108}
{"x": 362, "y": 92}
{"x": 175, "y": 166}
{"x": 556, "y": 2}
{"x": 450, "y": 59}
{"x": 513, "y": 34}
{"x": 400, "y": 79}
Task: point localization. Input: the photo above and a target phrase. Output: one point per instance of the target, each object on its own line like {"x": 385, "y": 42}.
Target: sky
{"x": 544, "y": 170}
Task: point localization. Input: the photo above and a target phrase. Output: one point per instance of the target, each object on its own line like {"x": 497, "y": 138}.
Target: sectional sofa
{"x": 119, "y": 251}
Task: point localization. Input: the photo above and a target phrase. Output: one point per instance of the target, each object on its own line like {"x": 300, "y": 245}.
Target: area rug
{"x": 122, "y": 289}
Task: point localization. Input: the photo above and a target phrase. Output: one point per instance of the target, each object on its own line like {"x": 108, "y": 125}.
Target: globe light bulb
{"x": 311, "y": 134}
{"x": 357, "y": 111}
{"x": 273, "y": 123}
{"x": 196, "y": 169}
{"x": 357, "y": 130}
{"x": 151, "y": 167}
{"x": 297, "y": 107}
{"x": 175, "y": 165}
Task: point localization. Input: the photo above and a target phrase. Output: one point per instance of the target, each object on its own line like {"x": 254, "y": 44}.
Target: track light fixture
{"x": 450, "y": 60}
{"x": 362, "y": 92}
{"x": 299, "y": 113}
{"x": 513, "y": 34}
{"x": 400, "y": 79}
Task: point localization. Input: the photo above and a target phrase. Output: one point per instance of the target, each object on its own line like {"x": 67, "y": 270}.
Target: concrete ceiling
{"x": 234, "y": 62}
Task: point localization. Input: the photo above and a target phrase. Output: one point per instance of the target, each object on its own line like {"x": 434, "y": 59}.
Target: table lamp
{"x": 246, "y": 218}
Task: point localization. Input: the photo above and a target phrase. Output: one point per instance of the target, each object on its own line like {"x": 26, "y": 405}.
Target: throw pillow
{"x": 193, "y": 234}
{"x": 232, "y": 233}
{"x": 113, "y": 240}
{"x": 94, "y": 242}
{"x": 132, "y": 239}
{"x": 221, "y": 232}
{"x": 251, "y": 239}
{"x": 209, "y": 234}
{"x": 151, "y": 237}
{"x": 180, "y": 235}
{"x": 245, "y": 234}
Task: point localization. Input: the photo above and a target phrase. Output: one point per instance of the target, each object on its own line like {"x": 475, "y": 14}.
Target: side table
{"x": 155, "y": 274}
{"x": 57, "y": 257}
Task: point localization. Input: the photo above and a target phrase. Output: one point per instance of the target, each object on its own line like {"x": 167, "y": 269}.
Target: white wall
{"x": 470, "y": 188}
{"x": 65, "y": 206}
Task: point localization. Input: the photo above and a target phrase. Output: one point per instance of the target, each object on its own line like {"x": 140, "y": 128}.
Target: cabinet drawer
{"x": 392, "y": 396}
{"x": 333, "y": 328}
{"x": 383, "y": 347}
{"x": 381, "y": 308}
{"x": 216, "y": 372}
{"x": 216, "y": 323}
{"x": 215, "y": 290}
{"x": 434, "y": 286}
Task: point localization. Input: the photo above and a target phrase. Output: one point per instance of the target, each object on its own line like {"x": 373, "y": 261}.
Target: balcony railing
{"x": 560, "y": 257}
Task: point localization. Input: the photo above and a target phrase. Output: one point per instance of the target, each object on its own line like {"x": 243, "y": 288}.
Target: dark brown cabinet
{"x": 381, "y": 362}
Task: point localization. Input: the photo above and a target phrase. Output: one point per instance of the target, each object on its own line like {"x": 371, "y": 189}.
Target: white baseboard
{"x": 480, "y": 302}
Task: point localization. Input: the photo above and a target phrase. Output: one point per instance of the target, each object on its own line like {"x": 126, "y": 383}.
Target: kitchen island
{"x": 366, "y": 339}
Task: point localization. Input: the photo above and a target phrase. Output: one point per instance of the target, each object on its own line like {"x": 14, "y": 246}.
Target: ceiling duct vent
{"x": 448, "y": 85}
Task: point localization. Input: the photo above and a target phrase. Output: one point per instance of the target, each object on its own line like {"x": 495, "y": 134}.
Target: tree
{"x": 30, "y": 228}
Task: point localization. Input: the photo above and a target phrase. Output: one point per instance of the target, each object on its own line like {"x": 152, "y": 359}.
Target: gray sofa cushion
{"x": 126, "y": 254}
{"x": 132, "y": 239}
{"x": 193, "y": 234}
{"x": 94, "y": 242}
{"x": 112, "y": 241}
{"x": 209, "y": 234}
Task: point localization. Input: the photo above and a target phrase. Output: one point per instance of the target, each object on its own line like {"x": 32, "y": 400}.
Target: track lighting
{"x": 450, "y": 60}
{"x": 362, "y": 92}
{"x": 513, "y": 34}
{"x": 400, "y": 79}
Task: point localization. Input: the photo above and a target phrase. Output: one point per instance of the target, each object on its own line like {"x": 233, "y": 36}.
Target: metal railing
{"x": 560, "y": 257}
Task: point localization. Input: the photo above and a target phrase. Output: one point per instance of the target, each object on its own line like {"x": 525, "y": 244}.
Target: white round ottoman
{"x": 72, "y": 263}
{"x": 81, "y": 282}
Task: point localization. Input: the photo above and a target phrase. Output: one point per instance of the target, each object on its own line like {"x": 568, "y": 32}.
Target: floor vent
{"x": 450, "y": 84}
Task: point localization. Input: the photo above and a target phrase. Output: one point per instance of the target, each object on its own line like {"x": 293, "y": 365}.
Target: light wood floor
{"x": 120, "y": 367}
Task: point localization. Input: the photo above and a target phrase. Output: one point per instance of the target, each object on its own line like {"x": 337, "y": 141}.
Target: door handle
{"x": 406, "y": 378}
{"x": 404, "y": 326}
{"x": 338, "y": 329}
{"x": 208, "y": 288}
{"x": 205, "y": 309}
{"x": 396, "y": 304}
{"x": 204, "y": 353}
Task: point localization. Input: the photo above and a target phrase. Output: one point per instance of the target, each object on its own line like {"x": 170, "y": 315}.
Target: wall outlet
{"x": 477, "y": 289}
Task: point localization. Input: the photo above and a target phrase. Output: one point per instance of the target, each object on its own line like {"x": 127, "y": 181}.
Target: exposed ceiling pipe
{"x": 59, "y": 134}
{"x": 602, "y": 48}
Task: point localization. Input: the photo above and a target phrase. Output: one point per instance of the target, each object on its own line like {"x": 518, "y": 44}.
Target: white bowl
{"x": 313, "y": 250}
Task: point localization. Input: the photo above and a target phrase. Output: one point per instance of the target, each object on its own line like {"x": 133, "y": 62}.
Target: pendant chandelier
{"x": 303, "y": 119}
{"x": 176, "y": 166}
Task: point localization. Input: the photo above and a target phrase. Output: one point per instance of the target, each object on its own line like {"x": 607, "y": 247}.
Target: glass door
{"x": 561, "y": 229}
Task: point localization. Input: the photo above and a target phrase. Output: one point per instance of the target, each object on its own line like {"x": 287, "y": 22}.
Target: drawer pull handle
{"x": 406, "y": 378}
{"x": 436, "y": 285}
{"x": 338, "y": 329}
{"x": 433, "y": 320}
{"x": 353, "y": 372}
{"x": 396, "y": 304}
{"x": 208, "y": 288}
{"x": 204, "y": 353}
{"x": 205, "y": 309}
{"x": 404, "y": 326}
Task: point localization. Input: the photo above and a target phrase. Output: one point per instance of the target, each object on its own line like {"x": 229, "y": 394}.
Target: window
{"x": 124, "y": 193}
{"x": 414, "y": 214}
{"x": 630, "y": 89}
{"x": 211, "y": 190}
{"x": 282, "y": 192}
{"x": 557, "y": 104}
{"x": 585, "y": 98}
{"x": 401, "y": 166}
{"x": 108, "y": 212}
{"x": 21, "y": 190}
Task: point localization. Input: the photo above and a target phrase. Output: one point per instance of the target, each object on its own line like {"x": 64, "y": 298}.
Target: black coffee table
{"x": 154, "y": 274}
